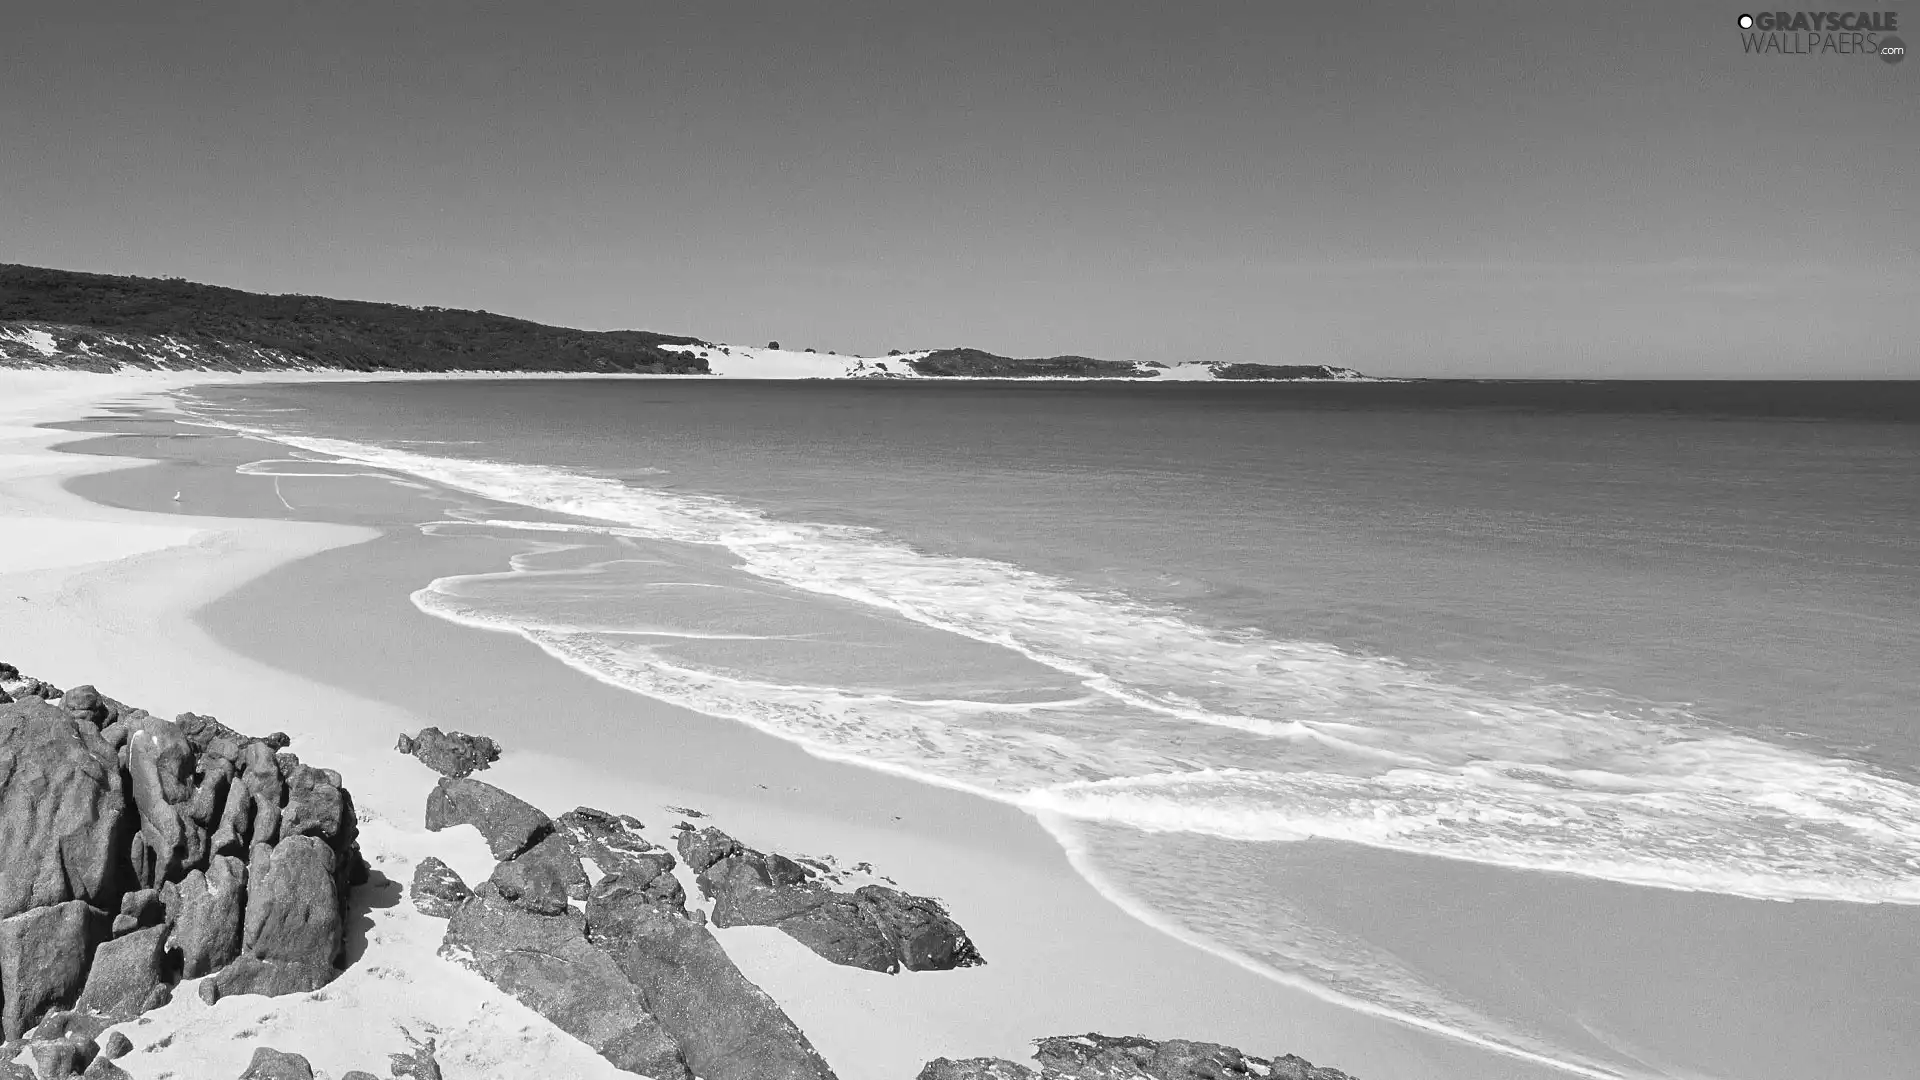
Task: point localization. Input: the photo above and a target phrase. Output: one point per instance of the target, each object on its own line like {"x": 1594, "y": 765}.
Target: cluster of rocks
{"x": 872, "y": 927}
{"x": 270, "y": 1064}
{"x": 1104, "y": 1057}
{"x": 630, "y": 972}
{"x": 139, "y": 851}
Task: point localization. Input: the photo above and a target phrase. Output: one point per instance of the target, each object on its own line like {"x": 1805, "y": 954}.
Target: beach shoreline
{"x": 1061, "y": 957}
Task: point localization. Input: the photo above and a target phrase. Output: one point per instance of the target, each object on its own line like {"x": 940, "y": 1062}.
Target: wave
{"x": 1235, "y": 733}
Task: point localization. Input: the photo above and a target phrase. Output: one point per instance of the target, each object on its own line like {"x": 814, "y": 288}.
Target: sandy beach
{"x": 275, "y": 604}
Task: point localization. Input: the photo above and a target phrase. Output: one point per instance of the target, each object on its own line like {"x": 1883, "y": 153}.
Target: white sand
{"x": 94, "y": 594}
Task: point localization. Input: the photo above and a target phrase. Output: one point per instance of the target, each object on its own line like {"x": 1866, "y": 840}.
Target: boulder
{"x": 139, "y": 908}
{"x": 542, "y": 878}
{"x": 206, "y": 916}
{"x": 875, "y": 927}
{"x": 104, "y": 1069}
{"x": 726, "y": 1027}
{"x": 58, "y": 1059}
{"x": 744, "y": 894}
{"x": 842, "y": 930}
{"x": 43, "y": 961}
{"x": 701, "y": 848}
{"x": 547, "y": 963}
{"x": 925, "y": 938}
{"x": 252, "y": 813}
{"x": 292, "y": 933}
{"x": 437, "y": 890}
{"x": 271, "y": 1064}
{"x": 65, "y": 809}
{"x": 510, "y": 825}
{"x": 128, "y": 976}
{"x": 451, "y": 753}
{"x": 162, "y": 763}
{"x": 315, "y": 806}
{"x": 975, "y": 1069}
{"x": 613, "y": 842}
{"x": 85, "y": 704}
{"x": 115, "y": 1046}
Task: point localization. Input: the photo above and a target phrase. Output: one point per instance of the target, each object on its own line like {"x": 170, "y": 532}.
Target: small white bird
{"x": 176, "y": 496}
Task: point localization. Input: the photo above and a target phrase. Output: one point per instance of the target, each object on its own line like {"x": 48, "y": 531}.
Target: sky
{"x": 1539, "y": 189}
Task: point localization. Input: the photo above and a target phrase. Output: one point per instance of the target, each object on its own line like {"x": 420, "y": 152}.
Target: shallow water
{"x": 1528, "y": 635}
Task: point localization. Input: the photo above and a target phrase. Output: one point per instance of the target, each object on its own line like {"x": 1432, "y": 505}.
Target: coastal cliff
{"x": 100, "y": 322}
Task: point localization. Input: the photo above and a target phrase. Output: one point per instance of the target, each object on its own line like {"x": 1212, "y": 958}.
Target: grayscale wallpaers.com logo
{"x": 1837, "y": 33}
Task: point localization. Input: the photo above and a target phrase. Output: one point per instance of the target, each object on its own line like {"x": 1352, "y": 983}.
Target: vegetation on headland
{"x": 978, "y": 364}
{"x": 134, "y": 319}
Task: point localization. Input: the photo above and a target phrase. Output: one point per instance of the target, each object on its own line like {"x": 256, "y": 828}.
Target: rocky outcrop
{"x": 138, "y": 851}
{"x": 510, "y": 825}
{"x": 1103, "y": 1057}
{"x": 450, "y": 753}
{"x": 873, "y": 927}
{"x": 271, "y": 1064}
{"x": 634, "y": 976}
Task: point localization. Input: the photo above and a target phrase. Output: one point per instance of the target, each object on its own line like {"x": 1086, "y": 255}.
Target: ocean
{"x": 1471, "y": 704}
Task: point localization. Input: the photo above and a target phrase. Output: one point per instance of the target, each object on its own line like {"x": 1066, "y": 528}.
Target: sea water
{"x": 1245, "y": 649}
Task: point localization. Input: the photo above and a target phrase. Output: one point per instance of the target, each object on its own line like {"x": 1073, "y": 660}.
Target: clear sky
{"x": 1542, "y": 188}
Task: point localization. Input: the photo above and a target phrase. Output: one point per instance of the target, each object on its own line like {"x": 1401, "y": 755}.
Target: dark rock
{"x": 139, "y": 908}
{"x": 547, "y": 963}
{"x": 66, "y": 811}
{"x": 70, "y": 1023}
{"x": 510, "y": 825}
{"x": 726, "y": 1027}
{"x": 542, "y": 878}
{"x": 315, "y": 806}
{"x": 252, "y": 811}
{"x": 842, "y": 930}
{"x": 35, "y": 688}
{"x": 926, "y": 938}
{"x": 209, "y": 992}
{"x": 451, "y": 753}
{"x": 115, "y": 1046}
{"x": 975, "y": 1069}
{"x": 128, "y": 976}
{"x": 875, "y": 927}
{"x": 701, "y": 848}
{"x": 162, "y": 764}
{"x": 292, "y": 920}
{"x": 358, "y": 1074}
{"x": 5, "y": 698}
{"x": 43, "y": 961}
{"x": 271, "y": 1064}
{"x": 206, "y": 916}
{"x": 8, "y": 673}
{"x": 104, "y": 1069}
{"x": 743, "y": 893}
{"x": 437, "y": 890}
{"x": 85, "y": 704}
{"x": 58, "y": 1059}
{"x": 612, "y": 842}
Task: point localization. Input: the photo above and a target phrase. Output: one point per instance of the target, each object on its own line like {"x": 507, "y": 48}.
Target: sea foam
{"x": 1233, "y": 733}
